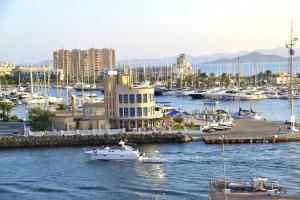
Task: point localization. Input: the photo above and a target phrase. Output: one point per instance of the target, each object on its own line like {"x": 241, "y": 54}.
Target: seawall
{"x": 82, "y": 140}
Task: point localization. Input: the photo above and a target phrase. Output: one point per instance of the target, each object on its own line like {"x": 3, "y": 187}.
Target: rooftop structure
{"x": 183, "y": 66}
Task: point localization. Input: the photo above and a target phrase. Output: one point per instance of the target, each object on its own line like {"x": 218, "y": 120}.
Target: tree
{"x": 14, "y": 118}
{"x": 225, "y": 79}
{"x": 62, "y": 106}
{"x": 40, "y": 118}
{"x": 268, "y": 74}
{"x": 6, "y": 108}
{"x": 178, "y": 119}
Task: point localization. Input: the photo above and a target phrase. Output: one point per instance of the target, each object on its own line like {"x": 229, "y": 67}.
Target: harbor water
{"x": 66, "y": 173}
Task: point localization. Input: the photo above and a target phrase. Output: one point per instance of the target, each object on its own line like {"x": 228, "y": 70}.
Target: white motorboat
{"x": 122, "y": 152}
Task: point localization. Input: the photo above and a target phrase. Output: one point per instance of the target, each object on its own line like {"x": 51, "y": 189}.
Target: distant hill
{"x": 172, "y": 59}
{"x": 45, "y": 62}
{"x": 252, "y": 57}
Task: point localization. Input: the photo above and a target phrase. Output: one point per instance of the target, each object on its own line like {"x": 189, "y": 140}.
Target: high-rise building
{"x": 76, "y": 64}
{"x": 94, "y": 61}
{"x": 108, "y": 58}
{"x": 62, "y": 60}
{"x": 84, "y": 64}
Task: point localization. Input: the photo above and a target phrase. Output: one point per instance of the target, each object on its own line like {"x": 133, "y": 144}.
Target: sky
{"x": 30, "y": 30}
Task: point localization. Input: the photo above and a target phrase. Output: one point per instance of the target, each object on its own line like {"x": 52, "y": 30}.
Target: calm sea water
{"x": 66, "y": 173}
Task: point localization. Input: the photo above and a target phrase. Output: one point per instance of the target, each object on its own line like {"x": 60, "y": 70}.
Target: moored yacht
{"x": 247, "y": 114}
{"x": 199, "y": 94}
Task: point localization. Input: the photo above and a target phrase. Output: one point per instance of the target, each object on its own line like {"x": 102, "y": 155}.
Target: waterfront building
{"x": 80, "y": 64}
{"x": 127, "y": 105}
{"x": 281, "y": 79}
{"x": 183, "y": 67}
{"x": 92, "y": 117}
{"x": 38, "y": 72}
{"x": 140, "y": 73}
{"x": 6, "y": 68}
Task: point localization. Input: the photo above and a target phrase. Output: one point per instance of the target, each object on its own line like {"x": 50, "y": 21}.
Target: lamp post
{"x": 290, "y": 45}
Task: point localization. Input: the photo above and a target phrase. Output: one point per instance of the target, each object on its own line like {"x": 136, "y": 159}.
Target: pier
{"x": 251, "y": 131}
{"x": 89, "y": 139}
{"x": 250, "y": 196}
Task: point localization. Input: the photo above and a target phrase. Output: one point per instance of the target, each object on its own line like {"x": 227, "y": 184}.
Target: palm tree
{"x": 2, "y": 108}
{"x": 6, "y": 108}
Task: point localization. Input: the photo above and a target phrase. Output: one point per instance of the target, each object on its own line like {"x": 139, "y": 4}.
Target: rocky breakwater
{"x": 80, "y": 140}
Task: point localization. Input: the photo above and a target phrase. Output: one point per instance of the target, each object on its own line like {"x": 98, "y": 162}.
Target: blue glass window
{"x": 132, "y": 112}
{"x": 125, "y": 98}
{"x": 145, "y": 98}
{"x": 145, "y": 111}
{"x": 139, "y": 112}
{"x": 131, "y": 98}
{"x": 139, "y": 98}
{"x": 125, "y": 112}
{"x": 121, "y": 112}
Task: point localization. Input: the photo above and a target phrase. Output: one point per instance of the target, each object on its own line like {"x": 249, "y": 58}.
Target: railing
{"x": 105, "y": 132}
{"x": 78, "y": 132}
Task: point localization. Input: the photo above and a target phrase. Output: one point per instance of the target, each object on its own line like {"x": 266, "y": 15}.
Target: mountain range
{"x": 259, "y": 55}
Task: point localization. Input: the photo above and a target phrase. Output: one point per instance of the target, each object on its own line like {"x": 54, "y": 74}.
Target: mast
{"x": 290, "y": 46}
{"x": 31, "y": 83}
{"x": 239, "y": 83}
{"x": 19, "y": 79}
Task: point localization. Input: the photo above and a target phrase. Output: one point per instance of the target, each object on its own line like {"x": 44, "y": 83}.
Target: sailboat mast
{"x": 239, "y": 83}
{"x": 31, "y": 83}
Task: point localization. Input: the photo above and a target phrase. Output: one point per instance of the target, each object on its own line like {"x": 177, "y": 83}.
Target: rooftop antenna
{"x": 290, "y": 46}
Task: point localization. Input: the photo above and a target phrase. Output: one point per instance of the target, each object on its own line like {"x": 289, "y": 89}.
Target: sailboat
{"x": 258, "y": 187}
{"x": 244, "y": 114}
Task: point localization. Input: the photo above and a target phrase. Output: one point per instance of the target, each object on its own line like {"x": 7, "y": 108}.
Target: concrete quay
{"x": 251, "y": 131}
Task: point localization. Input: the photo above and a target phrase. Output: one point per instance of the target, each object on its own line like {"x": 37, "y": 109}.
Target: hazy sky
{"x": 31, "y": 29}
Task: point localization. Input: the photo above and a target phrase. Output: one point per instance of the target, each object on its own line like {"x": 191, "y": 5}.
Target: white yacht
{"x": 183, "y": 92}
{"x": 247, "y": 114}
{"x": 122, "y": 152}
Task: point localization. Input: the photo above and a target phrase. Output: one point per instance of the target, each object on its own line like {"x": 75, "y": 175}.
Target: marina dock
{"x": 93, "y": 140}
{"x": 250, "y": 196}
{"x": 251, "y": 131}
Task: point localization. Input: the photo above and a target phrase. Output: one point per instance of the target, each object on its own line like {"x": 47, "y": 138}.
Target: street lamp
{"x": 290, "y": 45}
